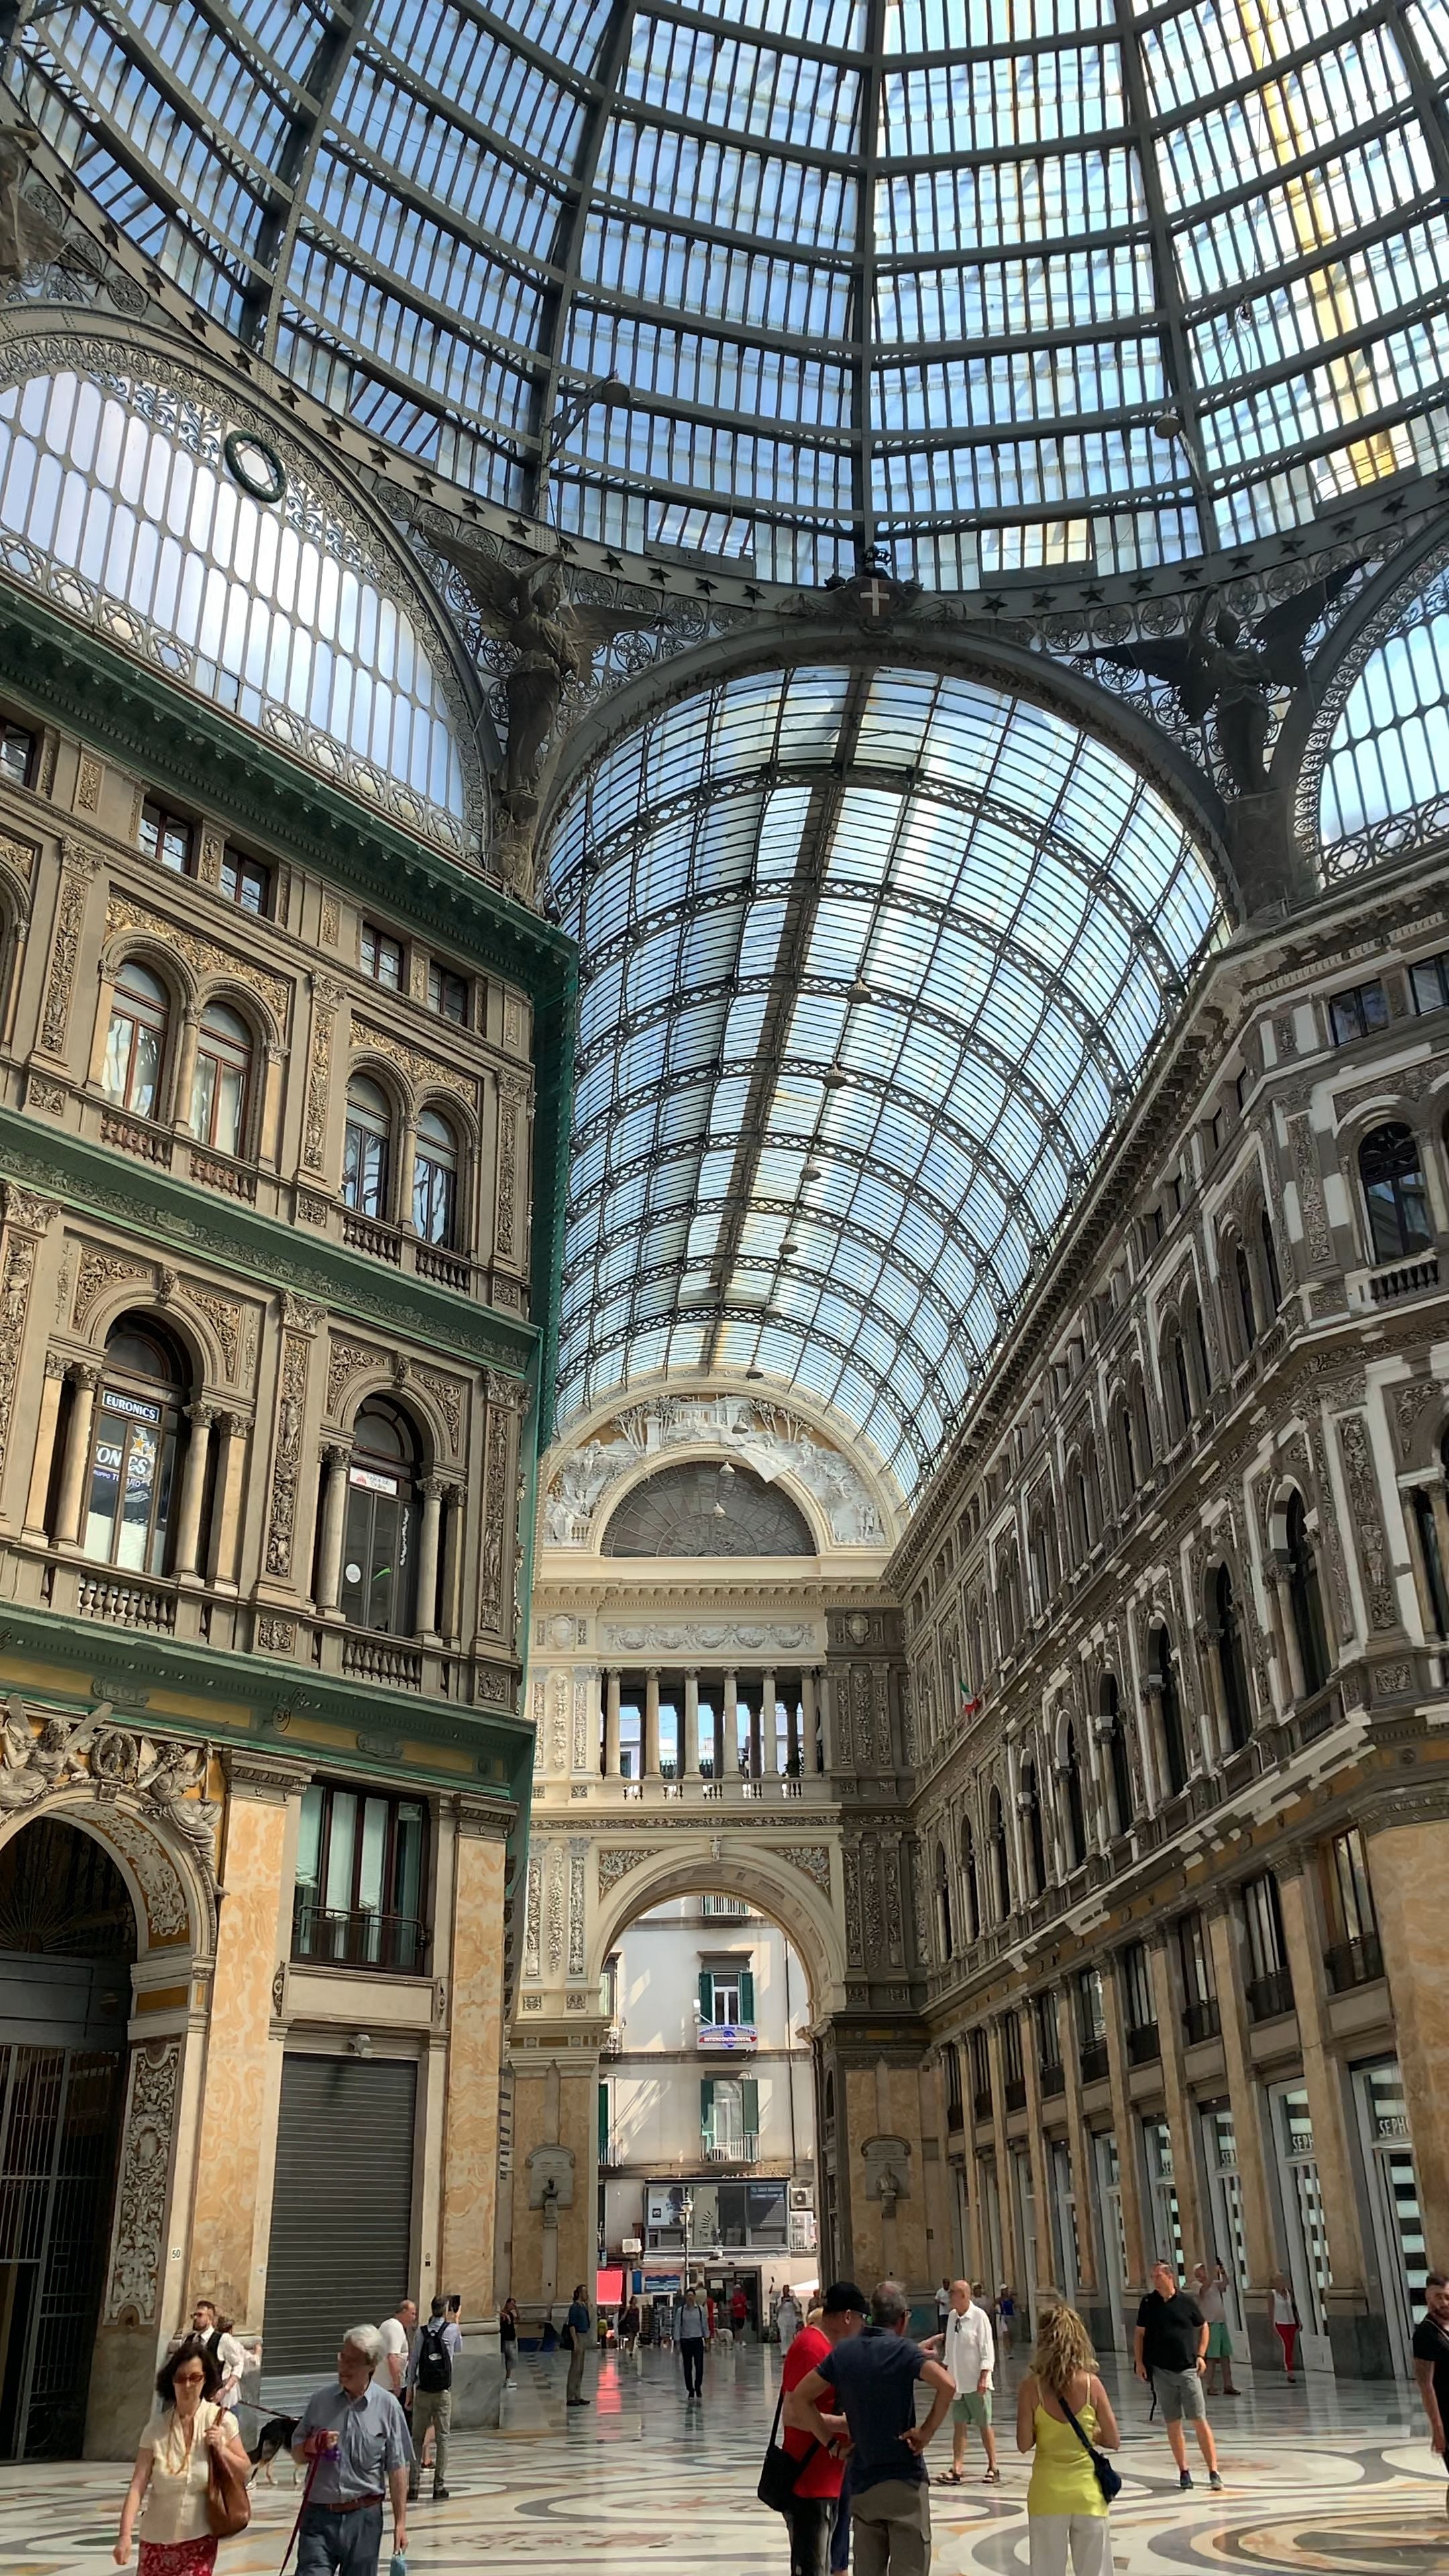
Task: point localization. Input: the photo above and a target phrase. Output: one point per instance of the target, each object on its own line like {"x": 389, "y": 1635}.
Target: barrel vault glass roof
{"x": 1000, "y": 283}
{"x": 871, "y": 961}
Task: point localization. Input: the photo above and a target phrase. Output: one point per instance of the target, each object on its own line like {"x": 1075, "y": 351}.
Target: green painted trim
{"x": 90, "y": 1179}
{"x": 172, "y": 739}
{"x": 125, "y": 1665}
{"x": 72, "y": 677}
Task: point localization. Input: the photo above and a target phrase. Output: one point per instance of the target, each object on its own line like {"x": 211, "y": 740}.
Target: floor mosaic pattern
{"x": 1322, "y": 2480}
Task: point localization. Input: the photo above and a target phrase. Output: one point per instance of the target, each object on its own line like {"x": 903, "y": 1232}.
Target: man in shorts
{"x": 1209, "y": 2288}
{"x": 968, "y": 2350}
{"x": 1431, "y": 2362}
{"x": 1170, "y": 2347}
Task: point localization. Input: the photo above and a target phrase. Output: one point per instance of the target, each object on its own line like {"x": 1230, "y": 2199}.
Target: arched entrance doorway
{"x": 707, "y": 2163}
{"x": 68, "y": 1938}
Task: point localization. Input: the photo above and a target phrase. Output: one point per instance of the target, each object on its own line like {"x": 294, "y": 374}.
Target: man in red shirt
{"x": 811, "y": 2517}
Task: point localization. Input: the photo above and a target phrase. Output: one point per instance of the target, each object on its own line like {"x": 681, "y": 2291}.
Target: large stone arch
{"x": 774, "y": 1876}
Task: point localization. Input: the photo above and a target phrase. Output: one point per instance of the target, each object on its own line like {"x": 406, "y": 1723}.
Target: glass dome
{"x": 1000, "y": 284}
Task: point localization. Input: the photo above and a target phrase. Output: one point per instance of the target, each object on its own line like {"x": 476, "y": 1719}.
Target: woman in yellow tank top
{"x": 1065, "y": 2508}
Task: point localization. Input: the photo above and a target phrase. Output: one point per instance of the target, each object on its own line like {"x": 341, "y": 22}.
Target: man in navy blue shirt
{"x": 579, "y": 2327}
{"x": 871, "y": 2378}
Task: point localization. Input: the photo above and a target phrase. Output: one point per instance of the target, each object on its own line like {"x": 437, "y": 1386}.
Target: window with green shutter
{"x": 747, "y": 1995}
{"x": 706, "y": 2107}
{"x": 750, "y": 2107}
{"x": 603, "y": 2124}
{"x": 706, "y": 1994}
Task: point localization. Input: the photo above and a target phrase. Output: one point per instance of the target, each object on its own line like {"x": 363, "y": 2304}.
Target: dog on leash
{"x": 275, "y": 2435}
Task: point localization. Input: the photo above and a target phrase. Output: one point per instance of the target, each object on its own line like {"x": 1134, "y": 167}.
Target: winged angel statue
{"x": 554, "y": 641}
{"x": 1229, "y": 669}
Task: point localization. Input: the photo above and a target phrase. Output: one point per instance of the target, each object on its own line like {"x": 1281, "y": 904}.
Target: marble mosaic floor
{"x": 1337, "y": 2480}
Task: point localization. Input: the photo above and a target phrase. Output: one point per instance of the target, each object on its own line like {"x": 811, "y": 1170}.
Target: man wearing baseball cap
{"x": 871, "y": 2378}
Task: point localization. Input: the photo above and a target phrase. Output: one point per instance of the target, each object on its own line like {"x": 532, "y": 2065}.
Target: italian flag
{"x": 972, "y": 1707}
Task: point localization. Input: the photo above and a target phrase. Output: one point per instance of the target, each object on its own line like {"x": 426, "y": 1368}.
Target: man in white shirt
{"x": 397, "y": 2334}
{"x": 968, "y": 2350}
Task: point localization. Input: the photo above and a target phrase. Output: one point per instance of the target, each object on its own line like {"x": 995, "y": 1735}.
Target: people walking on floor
{"x": 1066, "y": 2511}
{"x": 508, "y": 2337}
{"x": 168, "y": 2488}
{"x": 811, "y": 2515}
{"x": 739, "y": 2312}
{"x": 691, "y": 2333}
{"x": 1283, "y": 2316}
{"x": 577, "y": 2329}
{"x": 967, "y": 2349}
{"x": 1209, "y": 2288}
{"x": 1170, "y": 2353}
{"x": 629, "y": 2329}
{"x": 352, "y": 2439}
{"x": 872, "y": 2377}
{"x": 430, "y": 2379}
{"x": 1431, "y": 2363}
{"x": 943, "y": 2306}
{"x": 787, "y": 2318}
{"x": 397, "y": 2334}
{"x": 1005, "y": 2316}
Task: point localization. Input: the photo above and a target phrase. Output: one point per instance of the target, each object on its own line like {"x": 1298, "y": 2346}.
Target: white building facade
{"x": 706, "y": 2108}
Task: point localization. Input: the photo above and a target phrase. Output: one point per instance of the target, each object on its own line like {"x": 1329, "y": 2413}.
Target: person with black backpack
{"x": 430, "y": 2379}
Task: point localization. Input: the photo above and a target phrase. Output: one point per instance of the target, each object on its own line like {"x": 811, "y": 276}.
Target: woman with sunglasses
{"x": 168, "y": 2487}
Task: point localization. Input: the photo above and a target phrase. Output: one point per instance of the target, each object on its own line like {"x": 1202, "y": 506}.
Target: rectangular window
{"x": 1200, "y": 2017}
{"x": 1270, "y": 1985}
{"x": 167, "y": 837}
{"x": 1430, "y": 980}
{"x": 1011, "y": 2048}
{"x": 17, "y": 752}
{"x": 381, "y": 957}
{"x": 361, "y": 1871}
{"x": 980, "y": 2075}
{"x": 246, "y": 883}
{"x": 1356, "y": 1013}
{"x": 1091, "y": 2010}
{"x": 1355, "y": 1957}
{"x": 448, "y": 995}
{"x": 726, "y": 1998}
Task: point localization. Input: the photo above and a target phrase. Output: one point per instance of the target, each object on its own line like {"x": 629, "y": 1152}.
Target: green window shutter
{"x": 604, "y": 2123}
{"x": 706, "y": 2101}
{"x": 750, "y": 2106}
{"x": 747, "y": 1995}
{"x": 706, "y": 1995}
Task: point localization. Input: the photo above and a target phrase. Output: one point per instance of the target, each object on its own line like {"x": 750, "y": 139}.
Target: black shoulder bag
{"x": 1108, "y": 2478}
{"x": 780, "y": 2475}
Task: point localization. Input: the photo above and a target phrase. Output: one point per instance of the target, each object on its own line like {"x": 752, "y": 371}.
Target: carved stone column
{"x": 185, "y": 1076}
{"x": 1406, "y": 1835}
{"x": 44, "y": 1457}
{"x": 1359, "y": 2337}
{"x": 193, "y": 1487}
{"x": 1259, "y": 2232}
{"x": 689, "y": 1731}
{"x": 475, "y": 2056}
{"x": 1123, "y": 2121}
{"x": 433, "y": 1490}
{"x": 336, "y": 1459}
{"x": 767, "y": 1725}
{"x": 84, "y": 1382}
{"x": 726, "y": 1730}
{"x": 231, "y": 1441}
{"x": 1167, "y": 2003}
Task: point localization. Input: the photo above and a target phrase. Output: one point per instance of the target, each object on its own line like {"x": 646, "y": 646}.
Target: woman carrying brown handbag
{"x": 191, "y": 2453}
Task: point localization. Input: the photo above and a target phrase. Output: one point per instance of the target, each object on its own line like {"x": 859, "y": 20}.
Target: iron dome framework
{"x": 871, "y": 960}
{"x": 1010, "y": 284}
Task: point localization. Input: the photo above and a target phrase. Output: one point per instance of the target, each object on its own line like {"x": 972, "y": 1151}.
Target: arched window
{"x": 1035, "y": 1839}
{"x": 136, "y": 1040}
{"x": 222, "y": 1080}
{"x": 367, "y": 1148}
{"x": 435, "y": 1179}
{"x": 1090, "y": 1478}
{"x": 1247, "y": 1310}
{"x": 1270, "y": 1261}
{"x": 1042, "y": 1578}
{"x": 1109, "y": 1706}
{"x": 1181, "y": 1383}
{"x": 1126, "y": 1453}
{"x": 1305, "y": 1599}
{"x": 943, "y": 1905}
{"x": 973, "y": 1884}
{"x": 1232, "y": 1672}
{"x": 1010, "y": 1599}
{"x": 135, "y": 1432}
{"x": 379, "y": 1551}
{"x": 1000, "y": 1857}
{"x": 1200, "y": 1354}
{"x": 1394, "y": 1192}
{"x": 1169, "y": 1704}
{"x": 1076, "y": 1806}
